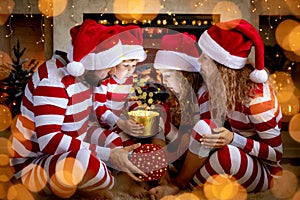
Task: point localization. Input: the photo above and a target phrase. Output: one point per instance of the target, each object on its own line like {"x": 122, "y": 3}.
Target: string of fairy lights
{"x": 267, "y": 4}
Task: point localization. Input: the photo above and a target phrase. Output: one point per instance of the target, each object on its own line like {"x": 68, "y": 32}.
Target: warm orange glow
{"x": 136, "y": 10}
{"x": 5, "y": 174}
{"x": 52, "y": 8}
{"x": 69, "y": 172}
{"x": 294, "y": 127}
{"x": 5, "y": 146}
{"x": 283, "y": 34}
{"x": 222, "y": 187}
{"x": 228, "y": 9}
{"x": 5, "y": 67}
{"x": 285, "y": 186}
{"x": 291, "y": 107}
{"x": 6, "y": 8}
{"x": 18, "y": 191}
{"x": 187, "y": 196}
{"x": 5, "y": 117}
{"x": 169, "y": 197}
{"x": 4, "y": 160}
{"x": 35, "y": 180}
{"x": 297, "y": 195}
{"x": 284, "y": 86}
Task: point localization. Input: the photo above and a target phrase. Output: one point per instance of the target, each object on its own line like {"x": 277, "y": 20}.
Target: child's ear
{"x": 113, "y": 70}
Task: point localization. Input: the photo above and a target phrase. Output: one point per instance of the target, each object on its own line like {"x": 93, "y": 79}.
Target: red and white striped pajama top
{"x": 53, "y": 126}
{"x": 254, "y": 155}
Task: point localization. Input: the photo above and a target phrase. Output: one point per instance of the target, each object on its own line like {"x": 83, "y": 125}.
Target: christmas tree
{"x": 14, "y": 85}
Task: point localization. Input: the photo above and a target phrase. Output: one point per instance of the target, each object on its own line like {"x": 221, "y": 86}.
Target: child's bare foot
{"x": 137, "y": 190}
{"x": 133, "y": 188}
{"x": 163, "y": 190}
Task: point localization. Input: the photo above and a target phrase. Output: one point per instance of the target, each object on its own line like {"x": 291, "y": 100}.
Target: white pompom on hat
{"x": 178, "y": 51}
{"x": 93, "y": 47}
{"x": 132, "y": 42}
{"x": 229, "y": 43}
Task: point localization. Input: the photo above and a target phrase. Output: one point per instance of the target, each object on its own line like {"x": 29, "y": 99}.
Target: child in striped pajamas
{"x": 111, "y": 96}
{"x": 55, "y": 152}
{"x": 247, "y": 148}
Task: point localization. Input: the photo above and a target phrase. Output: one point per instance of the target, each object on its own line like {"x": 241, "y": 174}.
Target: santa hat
{"x": 229, "y": 43}
{"x": 132, "y": 42}
{"x": 93, "y": 47}
{"x": 179, "y": 51}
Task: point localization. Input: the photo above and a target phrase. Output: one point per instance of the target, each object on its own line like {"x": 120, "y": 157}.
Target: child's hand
{"x": 221, "y": 137}
{"x": 130, "y": 126}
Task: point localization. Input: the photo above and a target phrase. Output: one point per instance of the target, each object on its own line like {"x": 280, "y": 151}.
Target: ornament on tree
{"x": 151, "y": 159}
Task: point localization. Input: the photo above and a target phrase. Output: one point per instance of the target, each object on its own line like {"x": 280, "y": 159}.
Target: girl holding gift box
{"x": 249, "y": 150}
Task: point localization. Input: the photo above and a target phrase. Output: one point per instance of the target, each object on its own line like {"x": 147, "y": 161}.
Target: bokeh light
{"x": 52, "y": 8}
{"x": 169, "y": 197}
{"x": 4, "y": 188}
{"x": 19, "y": 192}
{"x": 283, "y": 34}
{"x": 6, "y": 173}
{"x": 5, "y": 65}
{"x": 6, "y": 8}
{"x": 290, "y": 107}
{"x": 5, "y": 117}
{"x": 228, "y": 9}
{"x": 140, "y": 10}
{"x": 294, "y": 127}
{"x": 4, "y": 160}
{"x": 293, "y": 7}
{"x": 285, "y": 185}
{"x": 69, "y": 172}
{"x": 35, "y": 180}
{"x": 187, "y": 196}
{"x": 284, "y": 86}
{"x": 223, "y": 187}
{"x": 5, "y": 146}
{"x": 297, "y": 195}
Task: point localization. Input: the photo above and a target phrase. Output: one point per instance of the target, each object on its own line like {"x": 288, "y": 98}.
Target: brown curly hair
{"x": 239, "y": 88}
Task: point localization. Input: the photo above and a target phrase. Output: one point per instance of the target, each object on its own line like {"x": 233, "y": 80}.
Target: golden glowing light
{"x": 5, "y": 146}
{"x": 285, "y": 186}
{"x": 283, "y": 34}
{"x": 296, "y": 196}
{"x": 290, "y": 107}
{"x": 228, "y": 9}
{"x": 69, "y": 172}
{"x": 221, "y": 187}
{"x": 6, "y": 8}
{"x": 5, "y": 65}
{"x": 52, "y": 8}
{"x": 18, "y": 191}
{"x": 169, "y": 197}
{"x": 60, "y": 190}
{"x": 294, "y": 127}
{"x": 143, "y": 11}
{"x": 4, "y": 188}
{"x": 284, "y": 86}
{"x": 187, "y": 196}
{"x": 5, "y": 174}
{"x": 5, "y": 117}
{"x": 4, "y": 160}
{"x": 35, "y": 180}
{"x": 293, "y": 7}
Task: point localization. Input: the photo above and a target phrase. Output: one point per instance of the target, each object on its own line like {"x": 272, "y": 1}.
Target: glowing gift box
{"x": 149, "y": 119}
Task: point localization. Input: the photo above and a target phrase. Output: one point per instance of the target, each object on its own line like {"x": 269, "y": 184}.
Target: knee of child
{"x": 204, "y": 126}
